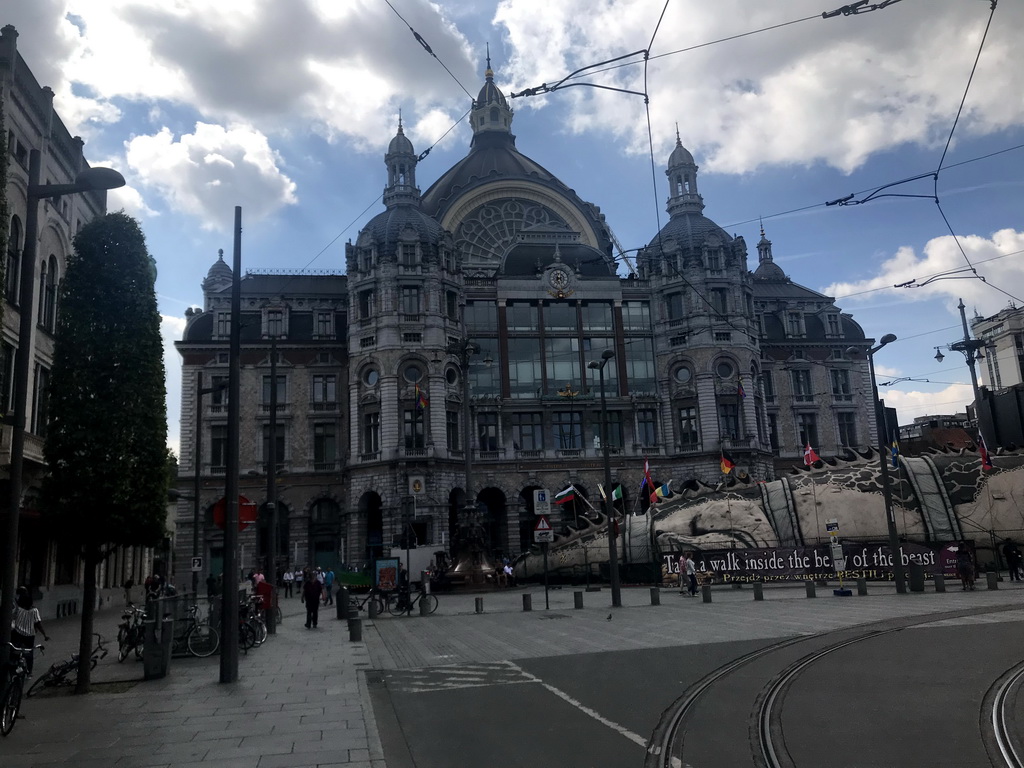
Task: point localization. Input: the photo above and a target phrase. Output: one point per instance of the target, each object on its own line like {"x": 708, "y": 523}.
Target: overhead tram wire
{"x": 427, "y": 48}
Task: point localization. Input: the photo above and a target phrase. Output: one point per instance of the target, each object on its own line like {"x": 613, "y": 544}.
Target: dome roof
{"x": 680, "y": 155}
{"x": 400, "y": 144}
{"x": 690, "y": 230}
{"x": 489, "y": 92}
{"x": 220, "y": 270}
{"x": 386, "y": 227}
{"x": 769, "y": 270}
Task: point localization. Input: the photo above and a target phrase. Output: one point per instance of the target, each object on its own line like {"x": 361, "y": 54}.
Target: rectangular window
{"x": 841, "y": 385}
{"x": 640, "y": 368}
{"x": 487, "y": 431}
{"x": 807, "y": 424}
{"x": 689, "y": 429}
{"x": 325, "y": 446}
{"x": 223, "y": 323}
{"x": 833, "y": 325}
{"x": 408, "y": 255}
{"x": 560, "y": 316}
{"x": 324, "y": 391}
{"x": 614, "y": 430}
{"x": 647, "y": 427}
{"x": 218, "y": 447}
{"x": 723, "y": 336}
{"x": 675, "y": 306}
{"x": 6, "y": 376}
{"x": 524, "y": 367}
{"x": 728, "y": 421}
{"x": 794, "y": 324}
{"x": 597, "y": 316}
{"x": 521, "y": 316}
{"x": 768, "y": 384}
{"x": 562, "y": 362}
{"x": 451, "y": 305}
{"x": 567, "y": 427}
{"x": 677, "y": 341}
{"x": 410, "y": 300}
{"x": 847, "y": 424}
{"x": 714, "y": 261}
{"x": 485, "y": 379}
{"x": 282, "y": 391}
{"x": 324, "y": 323}
{"x": 40, "y": 410}
{"x": 719, "y": 300}
{"x": 219, "y": 396}
{"x": 371, "y": 432}
{"x": 636, "y": 316}
{"x": 454, "y": 434}
{"x": 275, "y": 322}
{"x": 367, "y": 341}
{"x": 448, "y": 260}
{"x": 412, "y": 338}
{"x": 279, "y": 445}
{"x": 413, "y": 428}
{"x": 481, "y": 317}
{"x": 527, "y": 431}
{"x": 366, "y": 305}
{"x": 365, "y": 259}
{"x": 593, "y": 349}
{"x": 802, "y": 392}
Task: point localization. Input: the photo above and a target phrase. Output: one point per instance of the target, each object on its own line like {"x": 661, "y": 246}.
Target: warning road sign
{"x": 542, "y": 530}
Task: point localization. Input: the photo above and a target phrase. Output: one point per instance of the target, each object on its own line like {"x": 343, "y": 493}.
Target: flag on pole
{"x": 616, "y": 492}
{"x": 661, "y": 492}
{"x": 986, "y": 460}
{"x": 895, "y": 453}
{"x": 727, "y": 462}
{"x": 810, "y": 456}
{"x": 647, "y": 482}
{"x": 421, "y": 398}
{"x": 740, "y": 391}
{"x": 564, "y": 497}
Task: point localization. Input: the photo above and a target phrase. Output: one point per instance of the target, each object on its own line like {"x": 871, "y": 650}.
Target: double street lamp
{"x": 609, "y": 504}
{"x": 883, "y": 439}
{"x": 971, "y": 350}
{"x": 89, "y": 180}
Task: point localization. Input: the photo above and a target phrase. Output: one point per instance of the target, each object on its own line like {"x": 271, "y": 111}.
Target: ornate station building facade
{"x": 474, "y": 309}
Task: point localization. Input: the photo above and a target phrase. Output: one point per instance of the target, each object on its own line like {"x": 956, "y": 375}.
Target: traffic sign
{"x": 832, "y": 526}
{"x": 542, "y": 531}
{"x": 541, "y": 502}
{"x": 197, "y": 565}
{"x": 247, "y": 513}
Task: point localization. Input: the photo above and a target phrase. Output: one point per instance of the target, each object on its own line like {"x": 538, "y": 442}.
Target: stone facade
{"x": 487, "y": 298}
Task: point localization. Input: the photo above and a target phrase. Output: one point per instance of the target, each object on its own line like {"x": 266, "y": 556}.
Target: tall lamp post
{"x": 198, "y": 465}
{"x": 89, "y": 180}
{"x": 609, "y": 506}
{"x": 971, "y": 350}
{"x": 890, "y": 518}
{"x": 464, "y": 349}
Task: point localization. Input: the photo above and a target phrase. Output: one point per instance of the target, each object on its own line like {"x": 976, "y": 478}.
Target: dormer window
{"x": 408, "y": 255}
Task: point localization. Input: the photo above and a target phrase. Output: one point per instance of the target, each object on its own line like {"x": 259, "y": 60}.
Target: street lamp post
{"x": 890, "y": 518}
{"x": 91, "y": 179}
{"x": 609, "y": 506}
{"x": 464, "y": 349}
{"x": 971, "y": 350}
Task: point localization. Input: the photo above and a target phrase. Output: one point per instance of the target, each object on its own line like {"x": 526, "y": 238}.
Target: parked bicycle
{"x": 65, "y": 673}
{"x": 10, "y": 698}
{"x": 198, "y": 637}
{"x": 405, "y": 602}
{"x": 130, "y": 632}
{"x": 373, "y": 596}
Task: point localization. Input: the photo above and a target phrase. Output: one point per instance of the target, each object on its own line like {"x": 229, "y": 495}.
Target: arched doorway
{"x": 325, "y": 534}
{"x": 371, "y": 509}
{"x": 528, "y": 519}
{"x": 493, "y": 520}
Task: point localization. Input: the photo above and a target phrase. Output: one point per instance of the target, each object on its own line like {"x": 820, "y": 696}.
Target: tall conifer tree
{"x": 106, "y": 443}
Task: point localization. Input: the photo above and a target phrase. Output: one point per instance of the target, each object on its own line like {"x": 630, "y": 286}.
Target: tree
{"x": 106, "y": 442}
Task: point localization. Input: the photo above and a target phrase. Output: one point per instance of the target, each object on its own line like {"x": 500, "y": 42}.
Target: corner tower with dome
{"x": 500, "y": 257}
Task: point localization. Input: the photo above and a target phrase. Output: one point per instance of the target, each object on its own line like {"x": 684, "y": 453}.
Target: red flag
{"x": 810, "y": 456}
{"x": 648, "y": 482}
{"x": 986, "y": 461}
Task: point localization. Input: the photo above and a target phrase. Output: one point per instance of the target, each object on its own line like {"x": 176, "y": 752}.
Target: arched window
{"x": 49, "y": 302}
{"x": 42, "y": 293}
{"x": 13, "y": 261}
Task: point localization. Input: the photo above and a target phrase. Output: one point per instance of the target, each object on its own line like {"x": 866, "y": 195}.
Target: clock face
{"x": 559, "y": 278}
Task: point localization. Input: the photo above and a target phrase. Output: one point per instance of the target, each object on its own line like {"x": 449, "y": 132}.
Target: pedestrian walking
{"x": 682, "y": 575}
{"x": 297, "y": 580}
{"x": 1014, "y": 558}
{"x": 329, "y": 587}
{"x": 311, "y": 594}
{"x": 965, "y": 566}
{"x": 691, "y": 574}
{"x": 25, "y": 625}
{"x": 289, "y": 579}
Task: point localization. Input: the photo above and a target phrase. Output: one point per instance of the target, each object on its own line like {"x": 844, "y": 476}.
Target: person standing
{"x": 25, "y": 625}
{"x": 691, "y": 574}
{"x": 297, "y": 580}
{"x": 965, "y": 566}
{"x": 682, "y": 575}
{"x": 1013, "y": 559}
{"x": 289, "y": 579}
{"x": 329, "y": 587}
{"x": 311, "y": 591}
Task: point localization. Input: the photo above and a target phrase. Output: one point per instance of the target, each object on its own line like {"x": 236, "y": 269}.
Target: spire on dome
{"x": 682, "y": 180}
{"x": 491, "y": 114}
{"x": 767, "y": 269}
{"x": 401, "y": 162}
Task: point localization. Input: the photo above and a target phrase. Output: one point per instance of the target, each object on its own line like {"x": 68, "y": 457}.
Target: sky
{"x": 286, "y": 109}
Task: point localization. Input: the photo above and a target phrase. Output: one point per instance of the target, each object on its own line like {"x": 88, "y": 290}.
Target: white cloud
{"x": 129, "y": 200}
{"x": 208, "y": 172}
{"x": 171, "y": 329}
{"x": 941, "y": 255}
{"x": 832, "y": 91}
{"x": 909, "y": 405}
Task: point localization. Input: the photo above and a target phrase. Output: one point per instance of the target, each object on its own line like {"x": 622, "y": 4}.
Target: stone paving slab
{"x": 302, "y": 700}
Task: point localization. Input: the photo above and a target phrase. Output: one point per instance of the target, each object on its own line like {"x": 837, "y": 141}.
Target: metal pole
{"x": 613, "y": 555}
{"x": 22, "y": 367}
{"x": 197, "y": 465}
{"x": 894, "y": 541}
{"x": 272, "y": 490}
{"x": 464, "y": 353}
{"x": 229, "y": 608}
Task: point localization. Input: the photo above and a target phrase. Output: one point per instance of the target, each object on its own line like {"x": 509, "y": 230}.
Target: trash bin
{"x": 916, "y": 571}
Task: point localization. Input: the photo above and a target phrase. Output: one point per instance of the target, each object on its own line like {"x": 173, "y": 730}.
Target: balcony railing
{"x": 325, "y": 466}
{"x": 265, "y": 407}
{"x": 320, "y": 405}
{"x": 530, "y": 453}
{"x": 369, "y": 456}
{"x": 492, "y": 455}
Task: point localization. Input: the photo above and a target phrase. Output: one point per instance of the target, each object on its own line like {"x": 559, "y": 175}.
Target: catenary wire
{"x": 427, "y": 48}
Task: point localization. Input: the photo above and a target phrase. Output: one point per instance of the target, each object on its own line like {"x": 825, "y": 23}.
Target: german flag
{"x": 727, "y": 463}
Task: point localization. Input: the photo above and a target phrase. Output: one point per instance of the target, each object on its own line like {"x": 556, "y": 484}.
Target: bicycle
{"x": 199, "y": 638}
{"x": 65, "y": 673}
{"x": 10, "y": 699}
{"x": 406, "y": 603}
{"x": 130, "y": 633}
{"x": 373, "y": 596}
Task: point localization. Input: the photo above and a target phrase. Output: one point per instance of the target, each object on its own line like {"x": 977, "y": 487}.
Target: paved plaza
{"x": 302, "y": 698}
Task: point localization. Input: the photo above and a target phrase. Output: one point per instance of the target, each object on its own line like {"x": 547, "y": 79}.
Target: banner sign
{"x": 871, "y": 561}
{"x": 386, "y": 573}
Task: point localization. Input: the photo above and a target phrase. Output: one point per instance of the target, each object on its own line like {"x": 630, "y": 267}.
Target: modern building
{"x": 453, "y": 350}
{"x": 31, "y": 124}
{"x": 1002, "y": 365}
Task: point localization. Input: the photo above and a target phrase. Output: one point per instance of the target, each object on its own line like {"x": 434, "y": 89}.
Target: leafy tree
{"x": 106, "y": 444}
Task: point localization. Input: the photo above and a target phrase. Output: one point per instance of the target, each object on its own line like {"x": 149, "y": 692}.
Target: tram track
{"x": 996, "y": 724}
{"x": 766, "y": 735}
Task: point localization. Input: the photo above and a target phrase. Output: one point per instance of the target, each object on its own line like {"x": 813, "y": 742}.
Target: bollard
{"x": 655, "y": 596}
{"x": 758, "y": 590}
{"x": 355, "y": 630}
{"x": 862, "y": 587}
{"x": 916, "y": 580}
{"x": 809, "y": 586}
{"x": 371, "y": 609}
{"x": 343, "y": 603}
{"x": 527, "y": 602}
{"x": 940, "y": 582}
{"x": 479, "y": 605}
{"x": 993, "y": 579}
{"x": 705, "y": 593}
{"x": 577, "y": 599}
{"x": 425, "y": 607}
